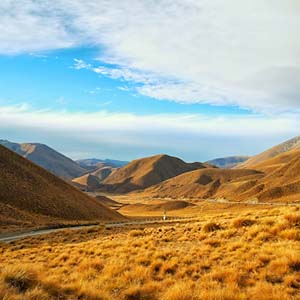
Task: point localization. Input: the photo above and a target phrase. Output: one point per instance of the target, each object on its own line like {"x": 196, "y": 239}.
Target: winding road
{"x": 10, "y": 237}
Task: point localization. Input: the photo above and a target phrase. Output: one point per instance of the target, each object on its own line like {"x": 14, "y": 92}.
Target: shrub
{"x": 243, "y": 222}
{"x": 20, "y": 278}
{"x": 211, "y": 226}
{"x": 179, "y": 291}
{"x": 293, "y": 219}
{"x": 136, "y": 232}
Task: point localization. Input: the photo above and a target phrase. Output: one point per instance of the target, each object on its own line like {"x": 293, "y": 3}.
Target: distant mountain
{"x": 29, "y": 194}
{"x": 289, "y": 145}
{"x": 144, "y": 172}
{"x": 92, "y": 180}
{"x": 92, "y": 163}
{"x": 228, "y": 162}
{"x": 47, "y": 158}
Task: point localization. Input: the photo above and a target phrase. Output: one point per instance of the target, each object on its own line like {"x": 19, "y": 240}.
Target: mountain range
{"x": 92, "y": 163}
{"x": 47, "y": 158}
{"x": 228, "y": 162}
{"x": 57, "y": 163}
{"x": 271, "y": 176}
{"x": 31, "y": 195}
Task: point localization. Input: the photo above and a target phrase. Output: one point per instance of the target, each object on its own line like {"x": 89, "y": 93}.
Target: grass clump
{"x": 211, "y": 227}
{"x": 136, "y": 233}
{"x": 243, "y": 222}
{"x": 19, "y": 278}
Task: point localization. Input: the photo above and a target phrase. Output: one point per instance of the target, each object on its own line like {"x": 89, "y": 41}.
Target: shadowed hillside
{"x": 276, "y": 179}
{"x": 144, "y": 172}
{"x": 92, "y": 181}
{"x": 205, "y": 183}
{"x": 292, "y": 144}
{"x": 31, "y": 194}
{"x": 47, "y": 158}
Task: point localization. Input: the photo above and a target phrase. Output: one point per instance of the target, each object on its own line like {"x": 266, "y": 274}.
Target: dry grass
{"x": 235, "y": 255}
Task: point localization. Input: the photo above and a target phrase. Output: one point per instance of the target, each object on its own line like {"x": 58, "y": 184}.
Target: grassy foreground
{"x": 230, "y": 255}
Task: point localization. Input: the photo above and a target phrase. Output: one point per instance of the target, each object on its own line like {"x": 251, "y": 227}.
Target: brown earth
{"x": 145, "y": 172}
{"x": 92, "y": 180}
{"x": 276, "y": 179}
{"x": 166, "y": 206}
{"x": 29, "y": 194}
{"x": 47, "y": 158}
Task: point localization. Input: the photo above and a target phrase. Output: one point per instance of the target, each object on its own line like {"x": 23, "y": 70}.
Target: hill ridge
{"x": 26, "y": 187}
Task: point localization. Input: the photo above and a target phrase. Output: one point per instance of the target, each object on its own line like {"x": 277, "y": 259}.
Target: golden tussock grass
{"x": 239, "y": 255}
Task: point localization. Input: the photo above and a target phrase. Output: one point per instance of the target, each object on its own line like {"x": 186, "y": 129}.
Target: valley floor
{"x": 228, "y": 254}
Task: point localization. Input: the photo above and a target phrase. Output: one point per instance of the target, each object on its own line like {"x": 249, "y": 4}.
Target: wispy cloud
{"x": 198, "y": 135}
{"x": 81, "y": 64}
{"x": 243, "y": 53}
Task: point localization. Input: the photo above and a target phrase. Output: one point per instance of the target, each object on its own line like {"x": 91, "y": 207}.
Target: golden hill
{"x": 205, "y": 183}
{"x": 144, "y": 172}
{"x": 273, "y": 180}
{"x": 31, "y": 194}
{"x": 292, "y": 144}
{"x": 47, "y": 158}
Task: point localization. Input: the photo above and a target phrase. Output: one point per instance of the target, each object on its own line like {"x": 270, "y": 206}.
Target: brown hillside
{"x": 165, "y": 206}
{"x": 92, "y": 181}
{"x": 47, "y": 158}
{"x": 145, "y": 172}
{"x": 103, "y": 172}
{"x": 87, "y": 182}
{"x": 270, "y": 165}
{"x": 292, "y": 144}
{"x": 276, "y": 179}
{"x": 30, "y": 192}
{"x": 205, "y": 183}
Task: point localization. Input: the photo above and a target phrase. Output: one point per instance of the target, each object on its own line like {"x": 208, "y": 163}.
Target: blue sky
{"x": 50, "y": 80}
{"x": 176, "y": 77}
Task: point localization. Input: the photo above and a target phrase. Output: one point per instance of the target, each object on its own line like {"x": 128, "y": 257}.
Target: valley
{"x": 156, "y": 228}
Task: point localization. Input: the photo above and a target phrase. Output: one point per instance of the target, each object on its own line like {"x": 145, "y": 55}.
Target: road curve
{"x": 10, "y": 237}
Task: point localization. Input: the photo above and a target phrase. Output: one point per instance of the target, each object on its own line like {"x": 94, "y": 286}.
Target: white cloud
{"x": 127, "y": 136}
{"x": 230, "y": 52}
{"x": 80, "y": 64}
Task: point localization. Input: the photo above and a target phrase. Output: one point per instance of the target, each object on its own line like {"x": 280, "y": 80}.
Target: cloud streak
{"x": 189, "y": 135}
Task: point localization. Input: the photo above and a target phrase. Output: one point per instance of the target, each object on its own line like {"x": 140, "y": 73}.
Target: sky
{"x": 197, "y": 79}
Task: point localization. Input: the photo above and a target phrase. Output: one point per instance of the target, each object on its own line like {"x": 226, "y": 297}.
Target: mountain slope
{"x": 92, "y": 180}
{"x": 203, "y": 183}
{"x": 228, "y": 162}
{"x": 289, "y": 145}
{"x": 144, "y": 172}
{"x": 47, "y": 158}
{"x": 274, "y": 180}
{"x": 28, "y": 191}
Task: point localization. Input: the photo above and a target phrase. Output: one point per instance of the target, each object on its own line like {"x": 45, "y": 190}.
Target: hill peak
{"x": 144, "y": 172}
